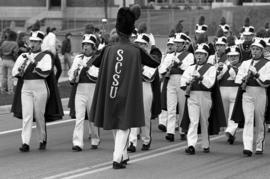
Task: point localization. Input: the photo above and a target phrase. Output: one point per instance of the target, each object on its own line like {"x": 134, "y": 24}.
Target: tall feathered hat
{"x": 36, "y": 26}
{"x": 247, "y": 29}
{"x": 223, "y": 25}
{"x": 126, "y": 17}
{"x": 142, "y": 28}
{"x": 201, "y": 27}
{"x": 89, "y": 29}
{"x": 179, "y": 27}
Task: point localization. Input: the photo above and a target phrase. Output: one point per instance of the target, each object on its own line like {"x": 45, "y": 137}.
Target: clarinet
{"x": 21, "y": 69}
{"x": 75, "y": 74}
{"x": 168, "y": 73}
{"x": 245, "y": 80}
{"x": 188, "y": 88}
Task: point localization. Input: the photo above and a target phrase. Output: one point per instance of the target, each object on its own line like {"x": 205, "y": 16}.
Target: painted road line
{"x": 136, "y": 158}
{"x": 168, "y": 147}
{"x": 48, "y": 124}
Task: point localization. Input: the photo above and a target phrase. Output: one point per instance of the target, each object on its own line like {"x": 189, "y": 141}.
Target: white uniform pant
{"x": 254, "y": 104}
{"x": 199, "y": 105}
{"x": 163, "y": 117}
{"x": 228, "y": 95}
{"x": 145, "y": 130}
{"x": 174, "y": 95}
{"x": 34, "y": 98}
{"x": 120, "y": 145}
{"x": 83, "y": 102}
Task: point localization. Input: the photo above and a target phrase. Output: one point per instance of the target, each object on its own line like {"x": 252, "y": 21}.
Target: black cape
{"x": 217, "y": 117}
{"x": 54, "y": 109}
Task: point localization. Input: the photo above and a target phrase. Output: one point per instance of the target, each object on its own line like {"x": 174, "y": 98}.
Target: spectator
{"x": 22, "y": 44}
{"x": 66, "y": 50}
{"x": 57, "y": 62}
{"x": 49, "y": 41}
{"x": 8, "y": 52}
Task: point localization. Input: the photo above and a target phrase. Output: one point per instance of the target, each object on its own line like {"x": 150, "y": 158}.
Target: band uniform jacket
{"x": 54, "y": 109}
{"x": 238, "y": 114}
{"x": 118, "y": 98}
{"x": 217, "y": 115}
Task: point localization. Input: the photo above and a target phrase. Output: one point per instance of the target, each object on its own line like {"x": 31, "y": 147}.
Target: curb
{"x": 6, "y": 108}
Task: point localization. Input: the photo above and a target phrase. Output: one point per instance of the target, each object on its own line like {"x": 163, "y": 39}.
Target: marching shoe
{"x": 125, "y": 161}
{"x": 24, "y": 148}
{"x": 117, "y": 165}
{"x": 206, "y": 150}
{"x": 190, "y": 150}
{"x": 94, "y": 147}
{"x": 131, "y": 148}
{"x": 42, "y": 145}
{"x": 170, "y": 137}
{"x": 76, "y": 148}
{"x": 247, "y": 153}
{"x": 145, "y": 147}
{"x": 231, "y": 138}
{"x": 162, "y": 128}
{"x": 259, "y": 152}
{"x": 183, "y": 137}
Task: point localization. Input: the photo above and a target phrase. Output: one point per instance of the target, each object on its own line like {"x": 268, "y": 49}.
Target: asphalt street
{"x": 164, "y": 160}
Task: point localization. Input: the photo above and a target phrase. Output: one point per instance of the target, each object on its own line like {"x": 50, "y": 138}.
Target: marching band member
{"x": 248, "y": 33}
{"x": 220, "y": 55}
{"x": 83, "y": 76}
{"x": 198, "y": 80}
{"x": 35, "y": 96}
{"x": 163, "y": 117}
{"x": 149, "y": 74}
{"x": 225, "y": 27}
{"x": 118, "y": 99}
{"x": 179, "y": 61}
{"x": 253, "y": 76}
{"x": 228, "y": 88}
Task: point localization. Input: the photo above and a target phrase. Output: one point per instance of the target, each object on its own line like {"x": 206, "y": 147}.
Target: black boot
{"x": 247, "y": 153}
{"x": 170, "y": 137}
{"x": 162, "y": 128}
{"x": 146, "y": 147}
{"x": 24, "y": 148}
{"x": 117, "y": 165}
{"x": 231, "y": 138}
{"x": 131, "y": 148}
{"x": 190, "y": 150}
{"x": 76, "y": 148}
{"x": 42, "y": 145}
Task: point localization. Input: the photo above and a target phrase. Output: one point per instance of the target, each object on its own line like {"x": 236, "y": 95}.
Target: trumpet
{"x": 245, "y": 80}
{"x": 188, "y": 88}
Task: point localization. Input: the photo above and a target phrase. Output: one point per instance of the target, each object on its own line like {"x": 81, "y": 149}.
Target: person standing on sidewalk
{"x": 8, "y": 52}
{"x": 35, "y": 97}
{"x": 118, "y": 99}
{"x": 66, "y": 50}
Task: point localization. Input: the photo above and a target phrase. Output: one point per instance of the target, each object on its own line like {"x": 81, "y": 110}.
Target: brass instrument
{"x": 245, "y": 80}
{"x": 188, "y": 88}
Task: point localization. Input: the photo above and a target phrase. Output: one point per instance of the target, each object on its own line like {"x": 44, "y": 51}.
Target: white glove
{"x": 196, "y": 74}
{"x": 253, "y": 69}
{"x": 175, "y": 59}
{"x": 152, "y": 39}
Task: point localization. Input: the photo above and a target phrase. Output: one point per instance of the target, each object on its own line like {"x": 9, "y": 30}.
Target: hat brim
{"x": 248, "y": 33}
{"x": 201, "y": 51}
{"x": 88, "y": 41}
{"x": 35, "y": 39}
{"x": 233, "y": 53}
{"x": 257, "y": 44}
{"x": 140, "y": 41}
{"x": 200, "y": 31}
